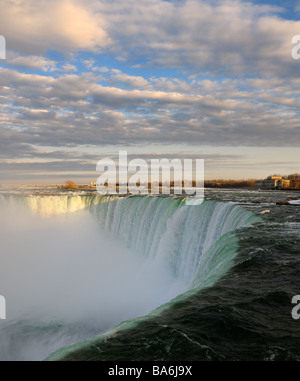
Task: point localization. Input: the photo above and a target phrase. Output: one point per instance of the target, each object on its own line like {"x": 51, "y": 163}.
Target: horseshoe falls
{"x": 89, "y": 277}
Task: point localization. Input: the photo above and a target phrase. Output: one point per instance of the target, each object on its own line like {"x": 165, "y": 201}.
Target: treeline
{"x": 294, "y": 180}
{"x": 217, "y": 183}
{"x": 69, "y": 184}
{"x": 295, "y": 184}
{"x": 294, "y": 176}
{"x": 248, "y": 183}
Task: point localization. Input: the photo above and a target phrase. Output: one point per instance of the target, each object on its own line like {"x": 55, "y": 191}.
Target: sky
{"x": 212, "y": 80}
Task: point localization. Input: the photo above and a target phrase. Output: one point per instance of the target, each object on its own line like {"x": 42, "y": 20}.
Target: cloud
{"x": 63, "y": 25}
{"x": 31, "y": 62}
{"x": 130, "y": 81}
{"x": 190, "y": 72}
{"x": 74, "y": 109}
{"x": 230, "y": 37}
{"x": 223, "y": 37}
{"x": 89, "y": 63}
{"x": 69, "y": 67}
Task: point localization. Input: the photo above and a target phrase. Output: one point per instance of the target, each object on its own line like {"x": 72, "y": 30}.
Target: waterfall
{"x": 169, "y": 251}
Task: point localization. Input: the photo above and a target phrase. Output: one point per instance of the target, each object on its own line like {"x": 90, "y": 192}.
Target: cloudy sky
{"x": 206, "y": 79}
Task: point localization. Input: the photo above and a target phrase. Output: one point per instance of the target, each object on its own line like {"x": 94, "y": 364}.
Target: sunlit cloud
{"x": 118, "y": 73}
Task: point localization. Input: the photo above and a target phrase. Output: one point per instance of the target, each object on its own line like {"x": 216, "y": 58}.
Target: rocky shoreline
{"x": 289, "y": 201}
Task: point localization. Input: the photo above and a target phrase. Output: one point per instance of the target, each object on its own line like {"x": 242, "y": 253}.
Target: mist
{"x": 65, "y": 280}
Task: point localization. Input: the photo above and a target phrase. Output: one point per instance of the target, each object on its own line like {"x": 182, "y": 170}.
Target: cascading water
{"x": 167, "y": 229}
{"x": 53, "y": 205}
{"x": 184, "y": 247}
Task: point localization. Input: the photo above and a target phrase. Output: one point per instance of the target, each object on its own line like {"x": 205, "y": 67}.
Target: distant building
{"x": 273, "y": 182}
